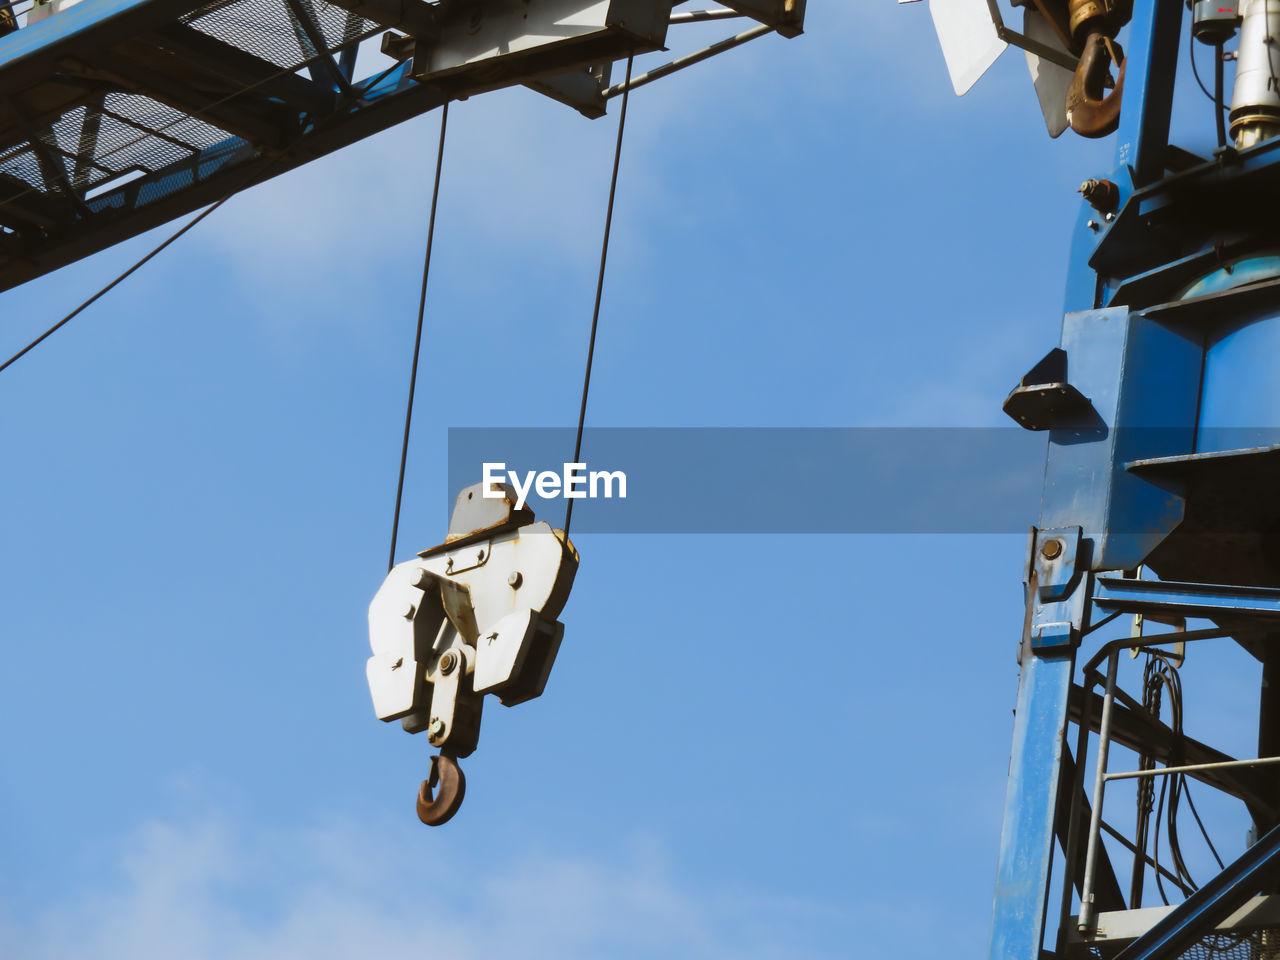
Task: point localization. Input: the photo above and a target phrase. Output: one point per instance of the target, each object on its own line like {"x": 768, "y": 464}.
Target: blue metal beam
{"x": 1150, "y": 67}
{"x": 1030, "y": 806}
{"x": 1208, "y": 600}
{"x": 272, "y": 118}
{"x": 216, "y": 171}
{"x": 27, "y": 55}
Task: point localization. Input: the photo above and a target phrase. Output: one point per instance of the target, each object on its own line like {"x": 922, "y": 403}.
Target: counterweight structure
{"x": 1160, "y": 501}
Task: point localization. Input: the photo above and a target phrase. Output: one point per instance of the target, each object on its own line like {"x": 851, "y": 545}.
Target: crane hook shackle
{"x": 447, "y": 776}
{"x": 1091, "y": 113}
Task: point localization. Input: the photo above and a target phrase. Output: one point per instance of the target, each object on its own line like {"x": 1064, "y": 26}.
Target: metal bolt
{"x": 1092, "y": 224}
{"x": 448, "y": 661}
{"x": 514, "y": 579}
{"x": 1051, "y": 550}
{"x": 1109, "y": 217}
{"x": 435, "y": 727}
{"x": 1102, "y": 195}
{"x": 420, "y": 577}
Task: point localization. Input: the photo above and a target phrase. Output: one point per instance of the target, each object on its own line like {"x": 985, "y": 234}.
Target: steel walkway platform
{"x": 119, "y": 115}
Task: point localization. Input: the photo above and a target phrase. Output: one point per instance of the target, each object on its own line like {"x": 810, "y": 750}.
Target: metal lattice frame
{"x": 119, "y": 115}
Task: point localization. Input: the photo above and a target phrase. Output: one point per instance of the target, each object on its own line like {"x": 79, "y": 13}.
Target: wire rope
{"x": 604, "y": 258}
{"x": 114, "y": 283}
{"x": 191, "y": 223}
{"x": 417, "y": 338}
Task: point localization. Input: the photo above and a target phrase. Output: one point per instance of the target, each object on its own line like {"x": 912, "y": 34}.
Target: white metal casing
{"x": 498, "y": 593}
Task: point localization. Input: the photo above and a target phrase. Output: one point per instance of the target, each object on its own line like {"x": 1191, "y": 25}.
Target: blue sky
{"x": 751, "y": 746}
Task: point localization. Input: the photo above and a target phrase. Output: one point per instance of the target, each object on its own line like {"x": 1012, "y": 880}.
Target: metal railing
{"x": 1087, "y": 919}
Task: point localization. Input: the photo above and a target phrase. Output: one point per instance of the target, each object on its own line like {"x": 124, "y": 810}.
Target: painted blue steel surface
{"x": 1151, "y": 66}
{"x": 137, "y": 193}
{"x": 1082, "y": 292}
{"x": 1241, "y": 390}
{"x": 33, "y": 39}
{"x": 1026, "y": 841}
{"x": 1185, "y": 599}
{"x": 1237, "y": 274}
{"x": 381, "y": 100}
{"x": 1058, "y": 603}
{"x": 1143, "y": 381}
{"x": 37, "y": 41}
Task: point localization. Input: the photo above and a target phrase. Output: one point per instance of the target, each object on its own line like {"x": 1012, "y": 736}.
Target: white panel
{"x": 1051, "y": 80}
{"x": 968, "y": 38}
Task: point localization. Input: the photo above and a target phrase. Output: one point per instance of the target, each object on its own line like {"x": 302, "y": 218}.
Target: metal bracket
{"x": 785, "y": 16}
{"x": 1044, "y": 399}
{"x": 1058, "y": 601}
{"x": 1023, "y": 42}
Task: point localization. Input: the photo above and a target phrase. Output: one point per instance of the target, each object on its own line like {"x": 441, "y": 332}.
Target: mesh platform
{"x": 129, "y": 133}
{"x": 1222, "y": 945}
{"x": 269, "y": 30}
{"x": 1252, "y": 945}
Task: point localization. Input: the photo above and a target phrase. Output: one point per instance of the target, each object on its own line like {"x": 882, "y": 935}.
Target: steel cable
{"x": 604, "y": 258}
{"x": 417, "y": 338}
{"x": 114, "y": 283}
{"x": 70, "y": 316}
{"x": 181, "y": 230}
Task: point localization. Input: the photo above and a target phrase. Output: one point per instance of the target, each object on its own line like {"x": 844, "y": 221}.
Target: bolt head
{"x": 448, "y": 660}
{"x": 515, "y": 578}
{"x": 1051, "y": 550}
{"x": 435, "y": 727}
{"x": 1092, "y": 224}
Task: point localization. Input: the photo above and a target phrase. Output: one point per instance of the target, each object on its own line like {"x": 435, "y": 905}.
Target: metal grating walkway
{"x": 117, "y": 116}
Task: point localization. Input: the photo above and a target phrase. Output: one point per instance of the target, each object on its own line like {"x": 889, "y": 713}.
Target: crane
{"x": 1159, "y": 405}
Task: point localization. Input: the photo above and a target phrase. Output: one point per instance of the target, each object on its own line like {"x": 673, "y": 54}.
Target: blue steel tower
{"x": 1162, "y": 501}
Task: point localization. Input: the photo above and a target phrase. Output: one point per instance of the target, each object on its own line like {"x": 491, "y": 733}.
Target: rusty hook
{"x": 447, "y": 775}
{"x": 1090, "y": 113}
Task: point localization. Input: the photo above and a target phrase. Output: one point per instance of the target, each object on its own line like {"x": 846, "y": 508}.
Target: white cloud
{"x": 206, "y": 891}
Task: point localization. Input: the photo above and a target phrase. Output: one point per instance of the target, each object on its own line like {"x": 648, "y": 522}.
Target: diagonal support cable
{"x": 110, "y": 286}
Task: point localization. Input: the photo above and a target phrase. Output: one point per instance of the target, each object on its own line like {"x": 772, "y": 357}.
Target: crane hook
{"x": 1090, "y": 113}
{"x": 448, "y": 776}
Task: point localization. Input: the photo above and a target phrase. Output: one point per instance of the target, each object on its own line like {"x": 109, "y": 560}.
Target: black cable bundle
{"x": 1159, "y": 676}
